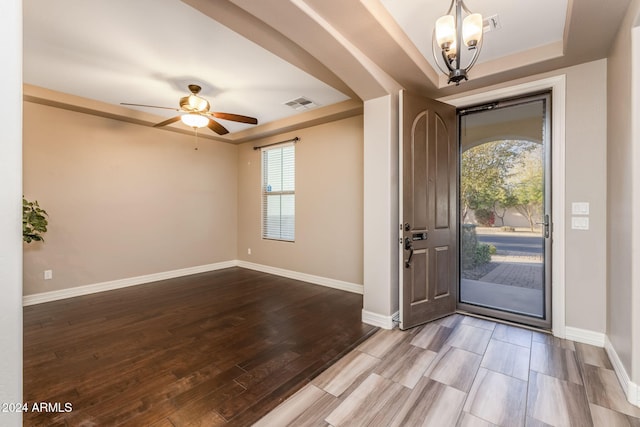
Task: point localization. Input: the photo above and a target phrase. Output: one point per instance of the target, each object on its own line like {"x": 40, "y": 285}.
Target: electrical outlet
{"x": 491, "y": 23}
{"x": 249, "y": 251}
{"x": 48, "y": 274}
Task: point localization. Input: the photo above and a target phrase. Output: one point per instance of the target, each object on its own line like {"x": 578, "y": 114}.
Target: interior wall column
{"x": 380, "y": 211}
{"x": 11, "y": 209}
{"x": 635, "y": 188}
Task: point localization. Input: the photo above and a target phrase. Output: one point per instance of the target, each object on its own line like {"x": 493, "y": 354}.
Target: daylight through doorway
{"x": 504, "y": 202}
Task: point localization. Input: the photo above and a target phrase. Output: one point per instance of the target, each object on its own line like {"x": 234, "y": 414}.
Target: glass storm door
{"x": 505, "y": 210}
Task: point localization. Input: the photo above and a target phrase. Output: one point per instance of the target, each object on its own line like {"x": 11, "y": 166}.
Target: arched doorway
{"x": 505, "y": 209}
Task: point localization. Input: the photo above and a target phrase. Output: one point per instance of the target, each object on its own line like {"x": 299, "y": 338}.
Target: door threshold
{"x": 504, "y": 322}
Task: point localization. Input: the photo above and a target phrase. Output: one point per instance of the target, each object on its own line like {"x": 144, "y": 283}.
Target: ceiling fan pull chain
{"x": 196, "y": 147}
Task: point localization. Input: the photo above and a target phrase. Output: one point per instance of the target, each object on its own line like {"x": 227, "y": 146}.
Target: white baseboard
{"x": 309, "y": 278}
{"x": 633, "y": 394}
{"x": 631, "y": 389}
{"x": 379, "y": 320}
{"x": 584, "y": 336}
{"x": 148, "y": 278}
{"x": 121, "y": 283}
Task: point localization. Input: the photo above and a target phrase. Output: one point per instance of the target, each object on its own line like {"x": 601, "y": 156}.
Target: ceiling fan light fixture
{"x": 194, "y": 112}
{"x": 198, "y": 104}
{"x": 194, "y": 103}
{"x": 194, "y": 120}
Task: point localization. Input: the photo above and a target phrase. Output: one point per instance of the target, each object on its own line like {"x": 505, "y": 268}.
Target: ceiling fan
{"x": 195, "y": 113}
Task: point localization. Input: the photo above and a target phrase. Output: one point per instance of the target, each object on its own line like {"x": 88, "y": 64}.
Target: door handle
{"x": 546, "y": 225}
{"x": 408, "y": 247}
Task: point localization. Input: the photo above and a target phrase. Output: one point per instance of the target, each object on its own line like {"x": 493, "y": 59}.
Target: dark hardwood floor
{"x": 219, "y": 348}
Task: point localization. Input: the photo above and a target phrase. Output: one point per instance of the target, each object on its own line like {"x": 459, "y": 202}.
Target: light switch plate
{"x": 580, "y": 208}
{"x": 579, "y": 223}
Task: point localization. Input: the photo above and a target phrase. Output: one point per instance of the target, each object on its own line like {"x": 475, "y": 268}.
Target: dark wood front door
{"x": 428, "y": 203}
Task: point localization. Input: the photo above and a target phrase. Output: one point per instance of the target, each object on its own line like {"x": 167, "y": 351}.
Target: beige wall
{"x": 585, "y": 175}
{"x": 329, "y": 192}
{"x": 123, "y": 200}
{"x": 79, "y": 166}
{"x": 127, "y": 200}
{"x": 586, "y": 171}
{"x": 381, "y": 215}
{"x": 620, "y": 185}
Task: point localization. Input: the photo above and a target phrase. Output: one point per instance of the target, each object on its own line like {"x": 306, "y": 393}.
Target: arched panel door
{"x": 428, "y": 209}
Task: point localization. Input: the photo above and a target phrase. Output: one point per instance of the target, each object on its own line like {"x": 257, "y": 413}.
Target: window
{"x": 278, "y": 193}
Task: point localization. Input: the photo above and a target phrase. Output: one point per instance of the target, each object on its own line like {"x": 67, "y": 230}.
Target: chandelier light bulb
{"x": 472, "y": 29}
{"x": 445, "y": 31}
{"x": 452, "y": 51}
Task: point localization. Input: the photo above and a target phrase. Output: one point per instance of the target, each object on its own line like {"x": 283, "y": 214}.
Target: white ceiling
{"x": 524, "y": 25}
{"x": 147, "y": 52}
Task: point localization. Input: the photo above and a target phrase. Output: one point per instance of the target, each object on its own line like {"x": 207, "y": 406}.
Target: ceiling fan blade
{"x": 236, "y": 118}
{"x": 167, "y": 122}
{"x": 217, "y": 127}
{"x": 149, "y": 106}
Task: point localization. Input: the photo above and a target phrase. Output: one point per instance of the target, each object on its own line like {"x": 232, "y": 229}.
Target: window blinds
{"x": 278, "y": 193}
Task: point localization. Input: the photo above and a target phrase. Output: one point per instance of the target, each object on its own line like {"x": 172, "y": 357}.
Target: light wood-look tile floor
{"x": 462, "y": 371}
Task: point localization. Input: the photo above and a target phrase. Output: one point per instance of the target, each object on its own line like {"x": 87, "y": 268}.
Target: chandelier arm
{"x": 476, "y": 54}
{"x": 464, "y": 7}
{"x": 451, "y": 7}
{"x": 447, "y": 62}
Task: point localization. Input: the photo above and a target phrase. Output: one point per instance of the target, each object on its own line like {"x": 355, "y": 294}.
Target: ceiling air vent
{"x": 491, "y": 23}
{"x": 301, "y": 103}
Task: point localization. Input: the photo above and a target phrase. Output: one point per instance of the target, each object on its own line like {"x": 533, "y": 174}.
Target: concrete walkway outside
{"x": 515, "y": 285}
{"x": 502, "y": 297}
{"x": 521, "y": 274}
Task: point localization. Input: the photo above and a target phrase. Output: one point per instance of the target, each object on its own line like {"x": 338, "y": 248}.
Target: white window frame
{"x": 265, "y": 192}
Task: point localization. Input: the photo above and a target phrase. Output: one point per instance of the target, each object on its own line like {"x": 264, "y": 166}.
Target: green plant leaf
{"x": 34, "y": 221}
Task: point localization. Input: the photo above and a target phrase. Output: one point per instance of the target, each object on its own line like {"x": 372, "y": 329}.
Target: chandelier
{"x": 448, "y": 32}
